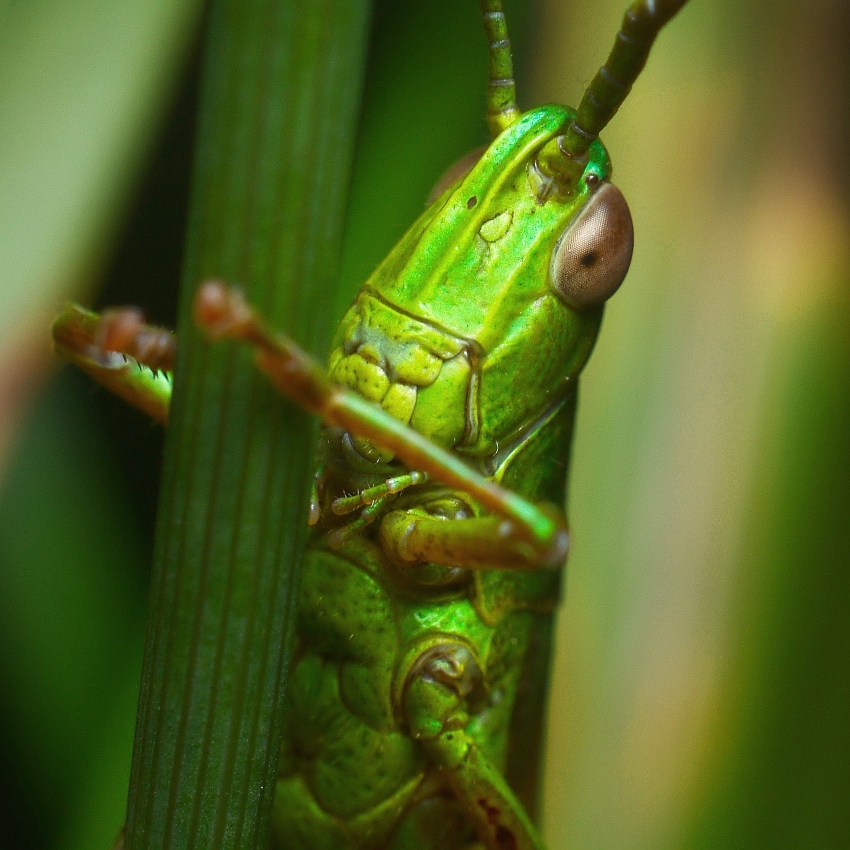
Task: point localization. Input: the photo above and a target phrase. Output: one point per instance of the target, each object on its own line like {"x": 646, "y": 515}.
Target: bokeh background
{"x": 701, "y": 691}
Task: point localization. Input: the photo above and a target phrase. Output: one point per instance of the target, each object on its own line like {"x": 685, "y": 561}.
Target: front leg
{"x": 117, "y": 349}
{"x": 224, "y": 313}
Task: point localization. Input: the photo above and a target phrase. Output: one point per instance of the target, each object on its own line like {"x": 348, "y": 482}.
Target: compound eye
{"x": 593, "y": 254}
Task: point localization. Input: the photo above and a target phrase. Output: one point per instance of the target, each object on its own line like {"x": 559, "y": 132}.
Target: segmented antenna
{"x": 502, "y": 110}
{"x": 564, "y": 158}
{"x": 609, "y": 88}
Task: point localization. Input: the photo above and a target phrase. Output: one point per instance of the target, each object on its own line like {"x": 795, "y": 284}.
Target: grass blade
{"x": 278, "y": 107}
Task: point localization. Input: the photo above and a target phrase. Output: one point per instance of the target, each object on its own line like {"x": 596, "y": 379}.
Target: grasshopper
{"x": 416, "y": 695}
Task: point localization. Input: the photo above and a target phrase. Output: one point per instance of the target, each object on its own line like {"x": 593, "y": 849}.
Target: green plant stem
{"x": 279, "y": 100}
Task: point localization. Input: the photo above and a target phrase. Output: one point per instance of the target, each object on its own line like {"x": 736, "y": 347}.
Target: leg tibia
{"x": 392, "y": 486}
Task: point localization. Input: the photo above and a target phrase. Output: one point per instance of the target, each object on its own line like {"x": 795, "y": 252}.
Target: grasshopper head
{"x": 517, "y": 276}
{"x": 476, "y": 326}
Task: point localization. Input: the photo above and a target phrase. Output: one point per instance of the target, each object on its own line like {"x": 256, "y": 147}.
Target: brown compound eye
{"x": 593, "y": 254}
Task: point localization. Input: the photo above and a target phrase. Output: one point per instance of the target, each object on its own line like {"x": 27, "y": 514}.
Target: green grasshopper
{"x": 415, "y": 703}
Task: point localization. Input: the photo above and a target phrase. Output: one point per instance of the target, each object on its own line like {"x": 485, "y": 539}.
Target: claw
{"x": 222, "y": 310}
{"x": 120, "y": 352}
{"x": 123, "y": 329}
{"x": 338, "y": 537}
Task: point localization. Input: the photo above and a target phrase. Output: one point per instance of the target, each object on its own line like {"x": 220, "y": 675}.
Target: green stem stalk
{"x": 279, "y": 100}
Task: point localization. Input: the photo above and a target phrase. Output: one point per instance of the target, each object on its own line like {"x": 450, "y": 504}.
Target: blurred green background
{"x": 701, "y": 695}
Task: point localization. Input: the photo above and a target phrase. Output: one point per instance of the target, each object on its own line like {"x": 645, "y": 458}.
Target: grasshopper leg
{"x": 224, "y": 313}
{"x": 441, "y": 684}
{"x": 413, "y": 536}
{"x": 391, "y": 487}
{"x": 117, "y": 349}
{"x": 368, "y": 515}
{"x": 499, "y": 818}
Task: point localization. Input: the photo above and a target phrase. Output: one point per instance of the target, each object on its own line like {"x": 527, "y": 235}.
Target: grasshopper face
{"x": 482, "y": 317}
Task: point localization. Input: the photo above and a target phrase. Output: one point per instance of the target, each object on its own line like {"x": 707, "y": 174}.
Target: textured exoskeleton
{"x": 417, "y": 691}
{"x": 401, "y": 641}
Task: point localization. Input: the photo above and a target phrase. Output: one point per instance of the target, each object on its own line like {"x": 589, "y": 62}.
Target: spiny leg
{"x": 224, "y": 313}
{"x": 391, "y": 487}
{"x": 338, "y": 537}
{"x": 128, "y": 357}
{"x": 123, "y": 329}
{"x": 498, "y": 816}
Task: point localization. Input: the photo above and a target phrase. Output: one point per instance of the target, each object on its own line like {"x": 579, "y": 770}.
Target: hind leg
{"x": 438, "y": 689}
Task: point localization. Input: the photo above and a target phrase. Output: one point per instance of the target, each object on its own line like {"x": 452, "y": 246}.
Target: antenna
{"x": 502, "y": 110}
{"x": 564, "y": 158}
